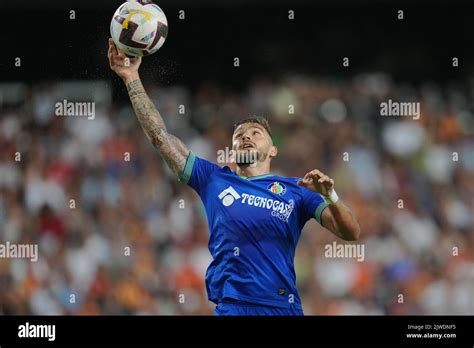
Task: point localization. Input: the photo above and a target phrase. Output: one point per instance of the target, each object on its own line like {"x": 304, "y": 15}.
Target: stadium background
{"x": 138, "y": 204}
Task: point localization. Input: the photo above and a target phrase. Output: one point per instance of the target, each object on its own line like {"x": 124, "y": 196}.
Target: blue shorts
{"x": 247, "y": 309}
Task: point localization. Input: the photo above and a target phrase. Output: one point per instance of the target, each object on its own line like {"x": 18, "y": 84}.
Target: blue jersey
{"x": 254, "y": 225}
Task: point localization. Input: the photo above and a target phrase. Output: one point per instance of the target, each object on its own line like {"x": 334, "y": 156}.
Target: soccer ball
{"x": 139, "y": 28}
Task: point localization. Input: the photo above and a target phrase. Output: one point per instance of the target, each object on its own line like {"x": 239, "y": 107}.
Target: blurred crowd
{"x": 118, "y": 234}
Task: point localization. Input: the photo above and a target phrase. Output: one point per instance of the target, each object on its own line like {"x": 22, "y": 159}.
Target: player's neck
{"x": 248, "y": 171}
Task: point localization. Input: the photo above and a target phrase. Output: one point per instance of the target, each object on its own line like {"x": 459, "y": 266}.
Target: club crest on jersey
{"x": 277, "y": 187}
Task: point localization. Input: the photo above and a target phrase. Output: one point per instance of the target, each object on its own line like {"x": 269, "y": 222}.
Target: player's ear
{"x": 273, "y": 151}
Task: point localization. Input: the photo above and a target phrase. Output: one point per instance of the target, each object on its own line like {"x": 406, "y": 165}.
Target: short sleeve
{"x": 197, "y": 172}
{"x": 313, "y": 205}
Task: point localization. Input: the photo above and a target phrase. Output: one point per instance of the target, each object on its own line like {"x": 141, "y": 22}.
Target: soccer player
{"x": 255, "y": 218}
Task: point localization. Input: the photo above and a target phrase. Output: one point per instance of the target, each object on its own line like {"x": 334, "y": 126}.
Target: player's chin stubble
{"x": 249, "y": 158}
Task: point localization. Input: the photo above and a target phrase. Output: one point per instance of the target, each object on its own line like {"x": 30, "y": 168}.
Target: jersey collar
{"x": 254, "y": 177}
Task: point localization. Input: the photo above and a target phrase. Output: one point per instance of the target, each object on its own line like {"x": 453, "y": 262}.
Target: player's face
{"x": 252, "y": 143}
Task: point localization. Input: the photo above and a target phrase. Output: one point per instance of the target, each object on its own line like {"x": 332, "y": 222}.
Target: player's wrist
{"x": 332, "y": 196}
{"x": 129, "y": 78}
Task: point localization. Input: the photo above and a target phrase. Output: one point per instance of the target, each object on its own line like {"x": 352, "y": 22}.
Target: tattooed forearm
{"x": 173, "y": 151}
{"x": 144, "y": 108}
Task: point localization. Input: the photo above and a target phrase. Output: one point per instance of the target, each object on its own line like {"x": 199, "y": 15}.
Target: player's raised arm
{"x": 173, "y": 150}
{"x": 337, "y": 218}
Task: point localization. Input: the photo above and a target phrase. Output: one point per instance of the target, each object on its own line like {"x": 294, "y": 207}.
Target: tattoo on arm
{"x": 173, "y": 150}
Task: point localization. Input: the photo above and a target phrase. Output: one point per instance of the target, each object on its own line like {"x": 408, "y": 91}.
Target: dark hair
{"x": 255, "y": 119}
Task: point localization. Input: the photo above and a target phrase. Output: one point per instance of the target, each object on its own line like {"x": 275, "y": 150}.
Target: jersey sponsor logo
{"x": 277, "y": 187}
{"x": 279, "y": 209}
{"x": 228, "y": 196}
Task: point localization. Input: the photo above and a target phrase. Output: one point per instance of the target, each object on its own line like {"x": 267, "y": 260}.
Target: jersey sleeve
{"x": 197, "y": 172}
{"x": 313, "y": 205}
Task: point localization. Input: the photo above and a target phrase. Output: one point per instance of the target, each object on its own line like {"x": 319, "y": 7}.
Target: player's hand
{"x": 126, "y": 68}
{"x": 317, "y": 181}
